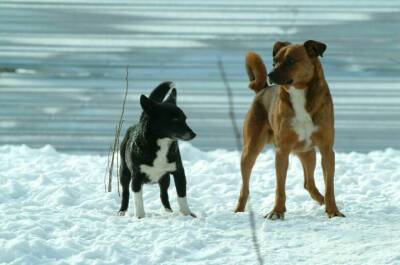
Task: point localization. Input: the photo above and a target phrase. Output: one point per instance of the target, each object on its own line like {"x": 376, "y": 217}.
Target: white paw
{"x": 184, "y": 207}
{"x": 185, "y": 212}
{"x": 189, "y": 213}
{"x": 139, "y": 213}
{"x": 121, "y": 213}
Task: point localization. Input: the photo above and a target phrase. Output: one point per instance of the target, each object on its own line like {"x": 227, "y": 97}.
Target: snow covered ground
{"x": 69, "y": 60}
{"x": 54, "y": 211}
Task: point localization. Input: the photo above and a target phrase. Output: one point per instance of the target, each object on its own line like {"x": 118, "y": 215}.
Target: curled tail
{"x": 256, "y": 71}
{"x": 158, "y": 94}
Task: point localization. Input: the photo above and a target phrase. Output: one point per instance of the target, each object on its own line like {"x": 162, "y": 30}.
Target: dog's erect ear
{"x": 171, "y": 97}
{"x": 148, "y": 105}
{"x": 314, "y": 48}
{"x": 279, "y": 45}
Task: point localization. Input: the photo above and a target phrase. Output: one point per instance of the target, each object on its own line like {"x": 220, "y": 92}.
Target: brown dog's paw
{"x": 239, "y": 210}
{"x": 335, "y": 214}
{"x": 275, "y": 215}
{"x": 240, "y": 207}
{"x": 316, "y": 196}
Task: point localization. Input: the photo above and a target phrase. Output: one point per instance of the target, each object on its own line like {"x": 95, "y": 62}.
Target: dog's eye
{"x": 290, "y": 62}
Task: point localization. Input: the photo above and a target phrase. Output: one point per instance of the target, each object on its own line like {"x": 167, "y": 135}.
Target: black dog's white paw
{"x": 121, "y": 213}
{"x": 139, "y": 213}
{"x": 187, "y": 213}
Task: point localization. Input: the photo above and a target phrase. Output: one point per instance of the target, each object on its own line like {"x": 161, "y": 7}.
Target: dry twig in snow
{"x": 113, "y": 150}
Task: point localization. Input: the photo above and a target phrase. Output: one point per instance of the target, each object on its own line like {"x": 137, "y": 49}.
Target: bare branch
{"x": 108, "y": 165}
{"x": 115, "y": 147}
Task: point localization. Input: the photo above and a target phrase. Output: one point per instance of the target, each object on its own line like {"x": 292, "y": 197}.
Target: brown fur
{"x": 269, "y": 120}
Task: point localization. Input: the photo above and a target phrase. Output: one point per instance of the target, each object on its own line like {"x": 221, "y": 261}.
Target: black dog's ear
{"x": 279, "y": 45}
{"x": 172, "y": 97}
{"x": 148, "y": 105}
{"x": 314, "y": 48}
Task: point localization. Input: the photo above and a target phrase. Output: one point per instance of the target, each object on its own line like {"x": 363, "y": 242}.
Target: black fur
{"x": 160, "y": 119}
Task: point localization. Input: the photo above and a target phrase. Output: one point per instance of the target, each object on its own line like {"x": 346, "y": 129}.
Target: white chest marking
{"x": 302, "y": 123}
{"x": 160, "y": 164}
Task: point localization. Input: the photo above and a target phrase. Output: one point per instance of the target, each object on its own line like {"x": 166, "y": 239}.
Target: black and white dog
{"x": 150, "y": 152}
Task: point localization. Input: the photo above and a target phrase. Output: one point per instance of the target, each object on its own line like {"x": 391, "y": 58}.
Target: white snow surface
{"x": 54, "y": 210}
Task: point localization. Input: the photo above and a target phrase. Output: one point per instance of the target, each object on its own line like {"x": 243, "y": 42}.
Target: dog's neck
{"x": 311, "y": 88}
{"x": 147, "y": 133}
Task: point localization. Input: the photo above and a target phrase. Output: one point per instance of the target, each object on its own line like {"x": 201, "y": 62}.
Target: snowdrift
{"x": 54, "y": 210}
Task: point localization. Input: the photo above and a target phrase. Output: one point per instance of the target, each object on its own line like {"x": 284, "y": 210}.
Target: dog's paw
{"x": 332, "y": 210}
{"x": 239, "y": 209}
{"x": 168, "y": 210}
{"x": 275, "y": 215}
{"x": 335, "y": 213}
{"x": 241, "y": 205}
{"x": 187, "y": 213}
{"x": 121, "y": 213}
{"x": 140, "y": 214}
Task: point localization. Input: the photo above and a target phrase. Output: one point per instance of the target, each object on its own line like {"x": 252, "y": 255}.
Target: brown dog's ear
{"x": 314, "y": 48}
{"x": 279, "y": 45}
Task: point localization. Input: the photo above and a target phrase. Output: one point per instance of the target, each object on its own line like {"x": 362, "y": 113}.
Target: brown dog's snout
{"x": 276, "y": 77}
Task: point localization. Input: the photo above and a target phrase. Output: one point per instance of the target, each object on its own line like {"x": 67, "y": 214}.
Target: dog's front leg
{"x": 281, "y": 166}
{"x": 180, "y": 184}
{"x": 328, "y": 167}
{"x": 137, "y": 187}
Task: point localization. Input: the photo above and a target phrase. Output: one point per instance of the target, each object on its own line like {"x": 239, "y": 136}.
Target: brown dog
{"x": 296, "y": 115}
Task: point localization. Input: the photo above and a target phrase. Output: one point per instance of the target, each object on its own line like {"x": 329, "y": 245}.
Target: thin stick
{"x": 110, "y": 169}
{"x": 236, "y": 132}
{"x": 114, "y": 148}
{"x": 118, "y": 170}
{"x": 231, "y": 105}
{"x": 108, "y": 165}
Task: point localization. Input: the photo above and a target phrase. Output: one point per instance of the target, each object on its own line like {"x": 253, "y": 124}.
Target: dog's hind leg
{"x": 255, "y": 136}
{"x": 307, "y": 160}
{"x": 125, "y": 179}
{"x": 328, "y": 167}
{"x": 281, "y": 166}
{"x": 164, "y": 185}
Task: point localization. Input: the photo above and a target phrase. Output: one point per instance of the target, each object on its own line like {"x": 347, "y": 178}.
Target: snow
{"x": 54, "y": 210}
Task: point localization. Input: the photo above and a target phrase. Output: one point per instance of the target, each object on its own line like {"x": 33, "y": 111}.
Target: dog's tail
{"x": 158, "y": 94}
{"x": 256, "y": 71}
